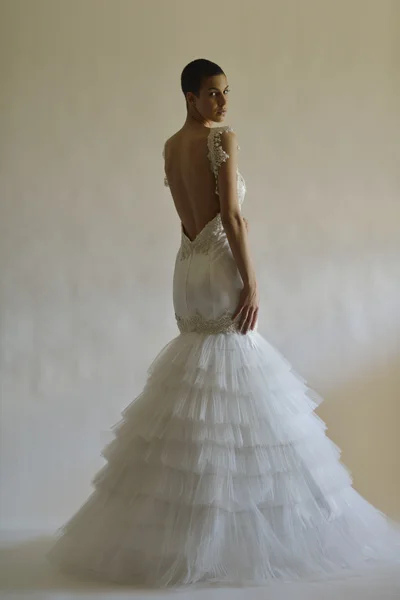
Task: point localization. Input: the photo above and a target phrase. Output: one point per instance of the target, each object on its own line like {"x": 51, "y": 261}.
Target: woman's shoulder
{"x": 169, "y": 142}
{"x": 216, "y": 136}
{"x": 222, "y": 128}
{"x": 222, "y": 137}
{"x": 216, "y": 132}
{"x": 222, "y": 132}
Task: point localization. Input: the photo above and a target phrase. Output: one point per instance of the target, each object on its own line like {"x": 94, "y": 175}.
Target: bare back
{"x": 190, "y": 179}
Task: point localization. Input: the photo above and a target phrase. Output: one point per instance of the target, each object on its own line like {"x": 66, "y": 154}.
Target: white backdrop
{"x": 90, "y": 91}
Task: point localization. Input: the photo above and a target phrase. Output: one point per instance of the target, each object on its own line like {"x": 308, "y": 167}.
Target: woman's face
{"x": 212, "y": 102}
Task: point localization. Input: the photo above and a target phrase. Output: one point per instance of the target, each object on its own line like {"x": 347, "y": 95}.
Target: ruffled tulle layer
{"x": 220, "y": 471}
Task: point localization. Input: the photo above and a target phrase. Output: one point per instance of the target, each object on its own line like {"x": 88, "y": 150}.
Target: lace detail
{"x": 205, "y": 240}
{"x": 196, "y": 323}
{"x": 185, "y": 249}
{"x": 216, "y": 154}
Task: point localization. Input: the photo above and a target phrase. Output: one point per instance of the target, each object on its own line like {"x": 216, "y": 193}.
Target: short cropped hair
{"x": 195, "y": 72}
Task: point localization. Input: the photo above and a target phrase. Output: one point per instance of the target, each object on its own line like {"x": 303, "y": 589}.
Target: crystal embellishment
{"x": 196, "y": 323}
{"x": 216, "y": 153}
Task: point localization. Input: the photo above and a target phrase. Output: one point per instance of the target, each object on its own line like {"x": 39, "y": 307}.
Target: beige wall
{"x": 89, "y": 92}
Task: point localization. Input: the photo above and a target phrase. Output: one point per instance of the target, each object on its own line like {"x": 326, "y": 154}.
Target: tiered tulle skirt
{"x": 220, "y": 471}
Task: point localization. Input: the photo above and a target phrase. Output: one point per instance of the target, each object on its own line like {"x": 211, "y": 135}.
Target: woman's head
{"x": 205, "y": 87}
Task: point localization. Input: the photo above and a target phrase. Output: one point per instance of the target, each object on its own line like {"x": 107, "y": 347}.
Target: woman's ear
{"x": 191, "y": 98}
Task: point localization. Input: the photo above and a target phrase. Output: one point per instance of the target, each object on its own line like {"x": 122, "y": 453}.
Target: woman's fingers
{"x": 243, "y": 321}
{"x": 237, "y": 312}
{"x": 254, "y": 319}
{"x": 248, "y": 322}
{"x": 247, "y": 310}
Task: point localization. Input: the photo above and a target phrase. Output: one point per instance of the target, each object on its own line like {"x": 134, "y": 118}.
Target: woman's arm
{"x": 236, "y": 231}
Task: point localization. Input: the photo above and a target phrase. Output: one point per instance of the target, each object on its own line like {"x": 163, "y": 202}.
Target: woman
{"x": 220, "y": 471}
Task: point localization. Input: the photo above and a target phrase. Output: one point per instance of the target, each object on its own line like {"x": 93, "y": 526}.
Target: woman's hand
{"x": 247, "y": 308}
{"x": 246, "y": 223}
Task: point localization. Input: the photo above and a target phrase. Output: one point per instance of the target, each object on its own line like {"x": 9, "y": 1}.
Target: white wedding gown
{"x": 220, "y": 471}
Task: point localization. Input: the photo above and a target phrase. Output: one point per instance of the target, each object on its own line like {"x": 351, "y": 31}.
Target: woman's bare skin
{"x": 192, "y": 185}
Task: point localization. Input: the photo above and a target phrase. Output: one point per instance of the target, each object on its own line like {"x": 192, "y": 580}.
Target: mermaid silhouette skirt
{"x": 220, "y": 470}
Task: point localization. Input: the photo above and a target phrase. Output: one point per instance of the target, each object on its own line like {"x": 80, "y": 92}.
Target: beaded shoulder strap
{"x": 216, "y": 154}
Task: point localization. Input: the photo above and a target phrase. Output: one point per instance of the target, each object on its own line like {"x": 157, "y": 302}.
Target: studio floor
{"x": 25, "y": 573}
